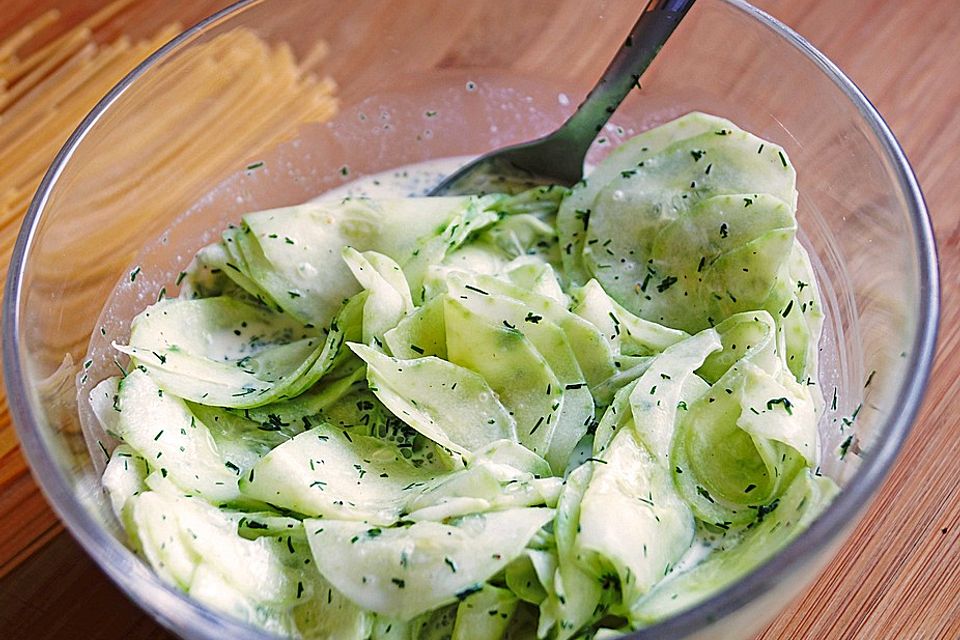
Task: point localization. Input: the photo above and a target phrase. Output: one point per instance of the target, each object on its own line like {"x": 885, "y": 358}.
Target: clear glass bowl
{"x": 412, "y": 88}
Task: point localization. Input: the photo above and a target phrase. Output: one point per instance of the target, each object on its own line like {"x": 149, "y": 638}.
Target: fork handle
{"x": 653, "y": 27}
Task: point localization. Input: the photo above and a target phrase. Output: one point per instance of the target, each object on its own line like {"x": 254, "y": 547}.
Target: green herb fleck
{"x": 787, "y": 405}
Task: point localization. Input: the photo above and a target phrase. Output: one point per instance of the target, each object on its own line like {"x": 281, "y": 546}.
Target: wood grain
{"x": 899, "y": 574}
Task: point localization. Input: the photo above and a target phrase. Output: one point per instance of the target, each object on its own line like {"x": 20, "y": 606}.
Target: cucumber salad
{"x": 550, "y": 414}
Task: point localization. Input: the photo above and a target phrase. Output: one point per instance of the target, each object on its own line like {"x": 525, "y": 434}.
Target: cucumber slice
{"x": 575, "y": 211}
{"x": 472, "y": 218}
{"x": 521, "y": 235}
{"x": 433, "y": 625}
{"x": 253, "y": 567}
{"x": 749, "y": 336}
{"x": 485, "y": 614}
{"x": 328, "y": 472}
{"x": 483, "y": 486}
{"x": 234, "y": 265}
{"x": 420, "y": 333}
{"x": 634, "y": 207}
{"x": 476, "y": 257}
{"x": 737, "y": 451}
{"x": 216, "y": 365}
{"x": 285, "y": 249}
{"x": 105, "y": 402}
{"x": 536, "y": 276}
{"x": 403, "y": 572}
{"x": 196, "y": 547}
{"x": 327, "y": 614}
{"x": 241, "y": 442}
{"x": 447, "y": 403}
{"x": 529, "y": 575}
{"x": 155, "y": 527}
{"x": 319, "y": 610}
{"x": 653, "y": 526}
{"x": 656, "y": 399}
{"x": 801, "y": 331}
{"x": 216, "y": 271}
{"x": 629, "y": 368}
{"x": 512, "y": 366}
{"x": 717, "y": 225}
{"x": 389, "y": 296}
{"x": 564, "y": 425}
{"x": 123, "y": 478}
{"x": 160, "y": 427}
{"x": 616, "y": 416}
{"x": 766, "y": 415}
{"x": 795, "y": 510}
{"x": 212, "y": 589}
{"x": 516, "y": 456}
{"x": 542, "y": 202}
{"x": 626, "y": 333}
{"x": 593, "y": 354}
{"x": 575, "y": 595}
{"x": 742, "y": 279}
{"x": 297, "y": 414}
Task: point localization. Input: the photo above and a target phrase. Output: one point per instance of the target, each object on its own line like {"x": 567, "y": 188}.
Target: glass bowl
{"x": 416, "y": 83}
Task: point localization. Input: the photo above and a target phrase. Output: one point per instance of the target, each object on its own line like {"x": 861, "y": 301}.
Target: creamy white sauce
{"x": 411, "y": 180}
{"x": 402, "y": 182}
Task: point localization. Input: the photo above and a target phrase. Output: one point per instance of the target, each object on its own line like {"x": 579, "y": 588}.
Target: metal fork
{"x": 558, "y": 157}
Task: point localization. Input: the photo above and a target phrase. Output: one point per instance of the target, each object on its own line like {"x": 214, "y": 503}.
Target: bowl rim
{"x": 115, "y": 559}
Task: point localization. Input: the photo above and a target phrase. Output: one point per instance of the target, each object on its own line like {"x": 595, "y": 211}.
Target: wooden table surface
{"x": 899, "y": 574}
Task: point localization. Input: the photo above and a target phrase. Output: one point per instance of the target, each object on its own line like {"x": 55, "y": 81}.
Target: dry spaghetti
{"x": 257, "y": 93}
